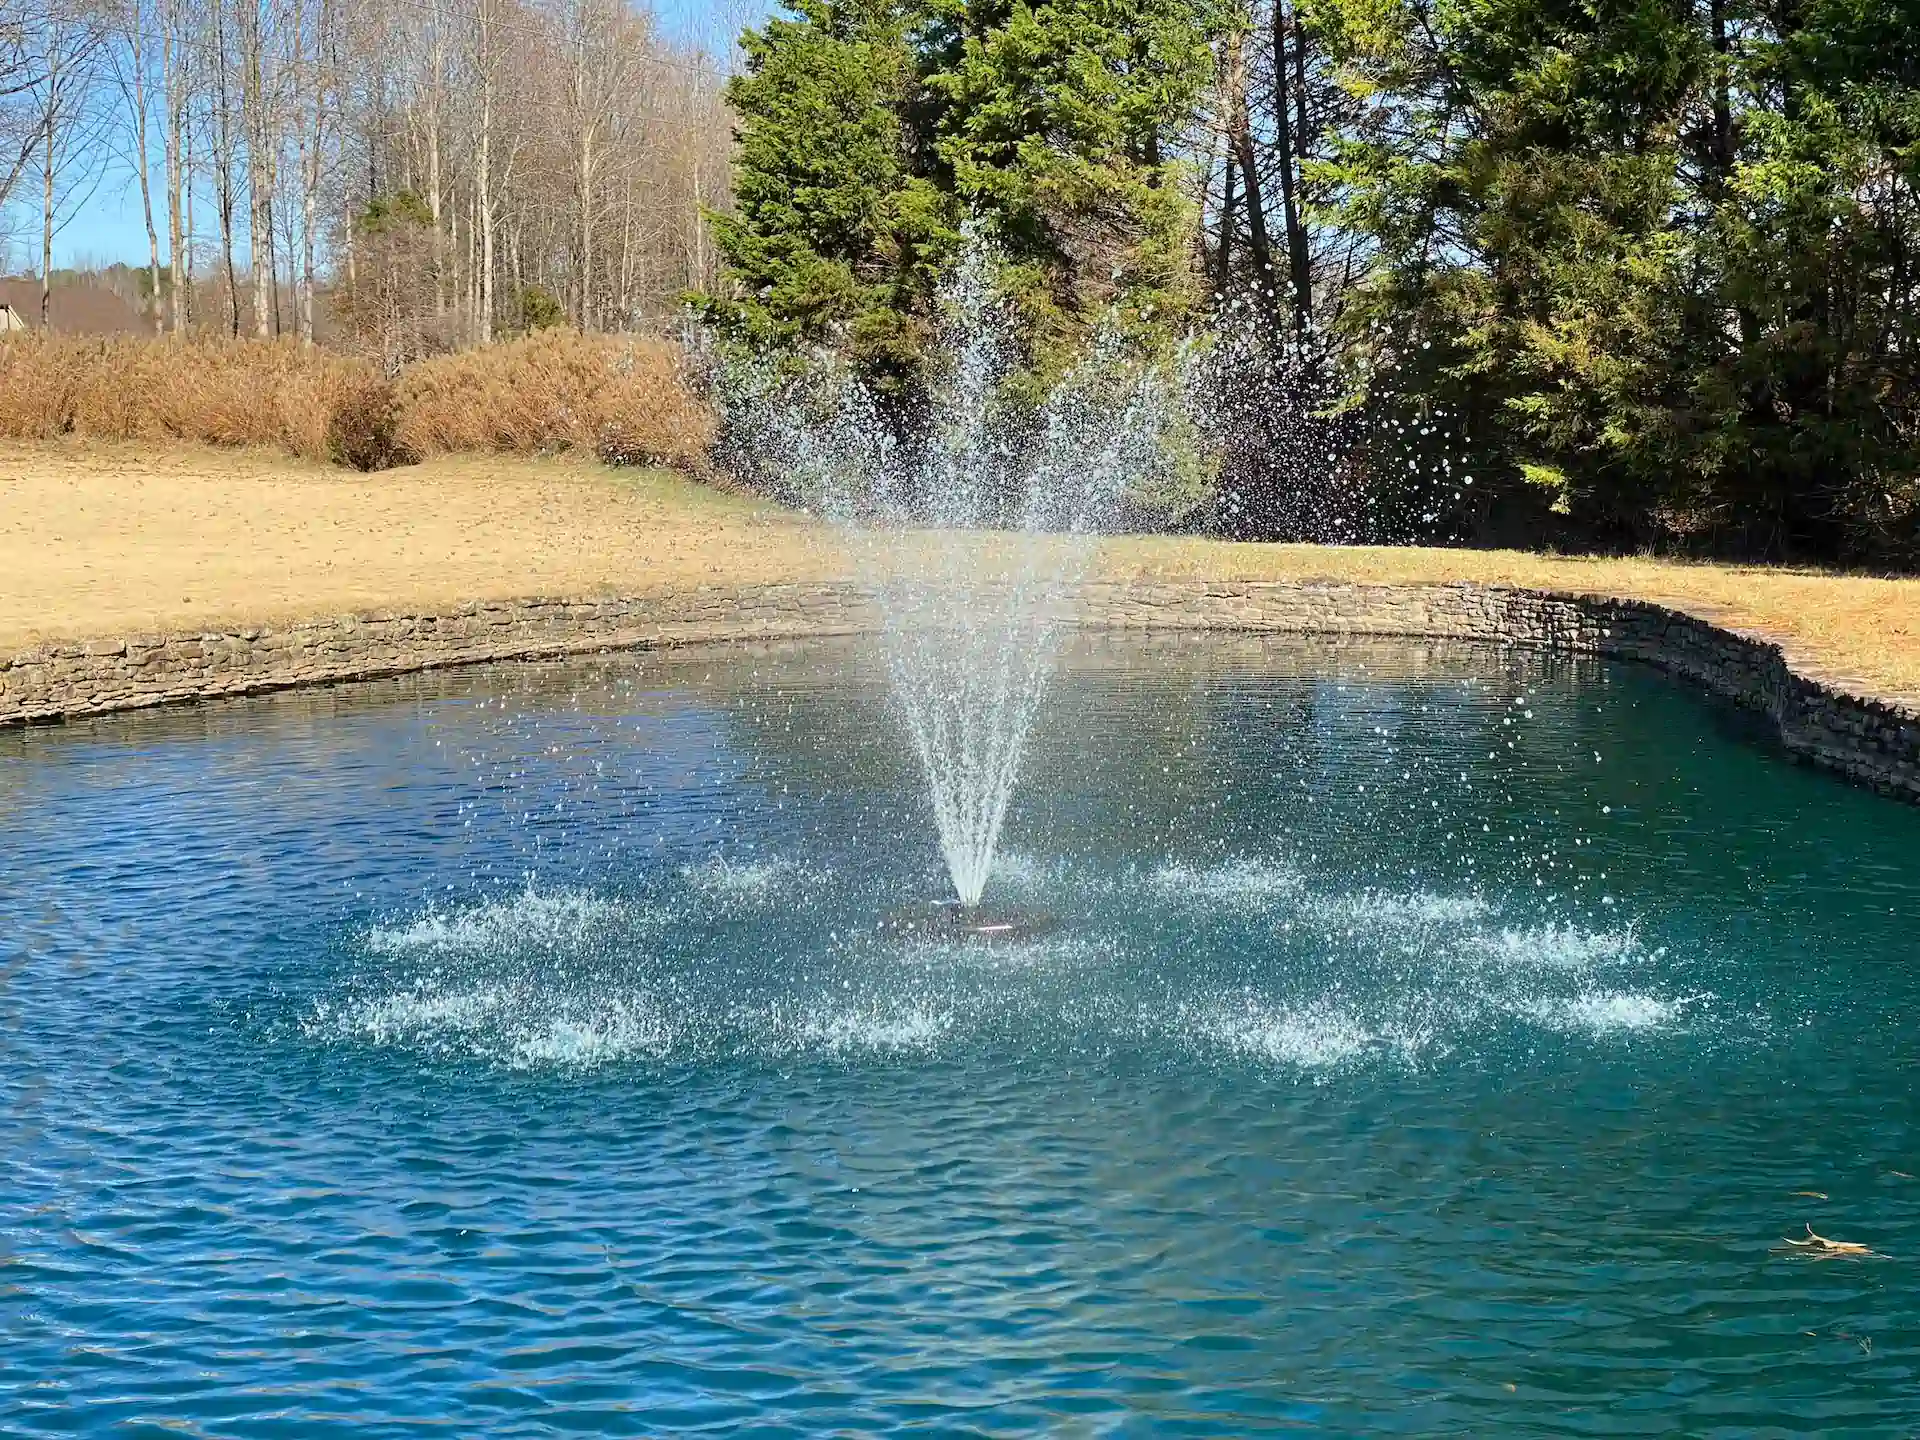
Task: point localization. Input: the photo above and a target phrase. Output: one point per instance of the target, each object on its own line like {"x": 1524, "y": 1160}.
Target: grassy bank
{"x": 107, "y": 539}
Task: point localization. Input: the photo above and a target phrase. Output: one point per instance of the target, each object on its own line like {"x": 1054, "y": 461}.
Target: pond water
{"x": 1436, "y": 1041}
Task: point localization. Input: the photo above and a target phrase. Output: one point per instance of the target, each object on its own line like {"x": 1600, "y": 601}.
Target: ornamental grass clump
{"x": 622, "y": 399}
{"x": 205, "y": 391}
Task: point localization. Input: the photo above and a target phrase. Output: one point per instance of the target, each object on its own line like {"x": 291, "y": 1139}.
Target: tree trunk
{"x": 176, "y": 234}
{"x": 586, "y": 228}
{"x": 259, "y": 183}
{"x": 437, "y": 68}
{"x": 1223, "y": 255}
{"x": 310, "y": 148}
{"x": 1240, "y": 138}
{"x": 583, "y": 120}
{"x": 483, "y": 177}
{"x": 280, "y": 240}
{"x": 188, "y": 234}
{"x": 137, "y": 54}
{"x": 1720, "y": 143}
{"x": 223, "y": 159}
{"x": 46, "y": 220}
{"x": 1299, "y": 260}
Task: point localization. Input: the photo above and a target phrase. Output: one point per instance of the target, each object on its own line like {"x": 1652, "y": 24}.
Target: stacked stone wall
{"x": 1870, "y": 740}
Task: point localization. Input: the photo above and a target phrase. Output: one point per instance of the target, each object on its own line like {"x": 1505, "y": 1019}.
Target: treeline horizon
{"x": 410, "y": 175}
{"x": 1624, "y": 274}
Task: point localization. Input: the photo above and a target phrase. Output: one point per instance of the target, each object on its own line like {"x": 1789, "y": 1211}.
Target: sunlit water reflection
{"x": 1436, "y": 1041}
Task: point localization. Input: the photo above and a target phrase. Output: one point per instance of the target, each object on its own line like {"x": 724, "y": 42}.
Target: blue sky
{"x": 109, "y": 227}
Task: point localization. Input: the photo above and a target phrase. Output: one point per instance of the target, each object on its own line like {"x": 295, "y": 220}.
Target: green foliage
{"x": 391, "y": 214}
{"x": 869, "y": 129}
{"x": 1656, "y": 262}
{"x": 540, "y": 309}
{"x": 838, "y": 230}
{"x": 1673, "y": 322}
{"x": 1056, "y": 122}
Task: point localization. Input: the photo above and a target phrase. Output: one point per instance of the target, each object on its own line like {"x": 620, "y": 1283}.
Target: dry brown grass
{"x": 616, "y": 397}
{"x": 209, "y": 391}
{"x": 1861, "y": 631}
{"x": 113, "y": 539}
{"x": 100, "y": 540}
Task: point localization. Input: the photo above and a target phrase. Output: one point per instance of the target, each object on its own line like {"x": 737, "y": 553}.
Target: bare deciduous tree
{"x": 563, "y": 151}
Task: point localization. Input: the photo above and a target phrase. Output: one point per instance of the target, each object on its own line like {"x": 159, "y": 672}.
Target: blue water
{"x": 1436, "y": 1042}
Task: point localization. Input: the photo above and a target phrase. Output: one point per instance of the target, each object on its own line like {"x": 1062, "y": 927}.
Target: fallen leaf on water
{"x": 1812, "y": 1194}
{"x": 1821, "y": 1248}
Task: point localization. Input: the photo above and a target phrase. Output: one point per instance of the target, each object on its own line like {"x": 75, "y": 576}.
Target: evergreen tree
{"x": 1058, "y": 121}
{"x": 1651, "y": 268}
{"x": 1520, "y": 180}
{"x": 839, "y": 229}
{"x": 870, "y": 130}
{"x": 1658, "y": 256}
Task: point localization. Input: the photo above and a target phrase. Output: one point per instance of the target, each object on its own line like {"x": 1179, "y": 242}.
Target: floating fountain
{"x": 973, "y": 540}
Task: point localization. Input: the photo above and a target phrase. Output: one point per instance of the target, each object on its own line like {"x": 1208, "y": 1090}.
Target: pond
{"x": 1433, "y": 1040}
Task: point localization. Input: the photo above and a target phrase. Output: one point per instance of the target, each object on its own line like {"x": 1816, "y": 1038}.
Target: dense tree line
{"x": 432, "y": 172}
{"x": 1632, "y": 273}
{"x": 1621, "y": 272}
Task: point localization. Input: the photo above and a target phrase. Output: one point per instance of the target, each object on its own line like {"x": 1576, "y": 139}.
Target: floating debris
{"x": 1812, "y": 1194}
{"x": 1821, "y": 1248}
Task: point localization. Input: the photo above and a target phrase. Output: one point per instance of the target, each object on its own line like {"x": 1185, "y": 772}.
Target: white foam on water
{"x": 1061, "y": 950}
{"x": 1242, "y": 883}
{"x": 876, "y": 1030}
{"x": 1562, "y": 947}
{"x": 1316, "y": 1037}
{"x": 1603, "y": 1013}
{"x": 743, "y": 882}
{"x": 532, "y": 917}
{"x": 1382, "y": 909}
{"x": 408, "y": 1015}
{"x": 617, "y": 1030}
{"x": 1014, "y": 870}
{"x": 521, "y": 1025}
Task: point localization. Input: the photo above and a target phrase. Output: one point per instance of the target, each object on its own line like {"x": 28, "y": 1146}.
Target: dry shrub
{"x": 212, "y": 392}
{"x": 622, "y": 399}
{"x": 362, "y": 431}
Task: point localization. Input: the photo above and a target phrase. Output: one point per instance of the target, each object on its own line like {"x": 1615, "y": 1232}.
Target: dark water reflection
{"x": 1438, "y": 1042}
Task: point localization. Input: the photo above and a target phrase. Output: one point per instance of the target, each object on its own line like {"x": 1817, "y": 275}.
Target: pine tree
{"x": 869, "y": 131}
{"x": 838, "y": 229}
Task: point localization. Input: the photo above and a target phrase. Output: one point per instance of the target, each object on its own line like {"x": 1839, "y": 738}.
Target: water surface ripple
{"x": 1437, "y": 1041}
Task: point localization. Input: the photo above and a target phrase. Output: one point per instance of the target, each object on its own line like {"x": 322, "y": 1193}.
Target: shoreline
{"x": 135, "y": 575}
{"x": 1824, "y": 720}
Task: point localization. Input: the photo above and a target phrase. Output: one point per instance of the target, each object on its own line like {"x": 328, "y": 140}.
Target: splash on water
{"x": 1562, "y": 947}
{"x": 1240, "y": 883}
{"x": 975, "y": 538}
{"x": 745, "y": 882}
{"x": 1607, "y": 1012}
{"x": 532, "y": 917}
{"x": 1315, "y": 1037}
{"x": 1379, "y": 909}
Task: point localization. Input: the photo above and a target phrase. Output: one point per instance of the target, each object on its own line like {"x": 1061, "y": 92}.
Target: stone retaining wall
{"x": 1873, "y": 741}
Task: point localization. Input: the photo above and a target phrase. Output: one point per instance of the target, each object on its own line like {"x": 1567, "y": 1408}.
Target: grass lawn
{"x": 108, "y": 539}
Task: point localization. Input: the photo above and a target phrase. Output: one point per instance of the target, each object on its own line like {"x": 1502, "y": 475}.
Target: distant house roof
{"x": 77, "y": 309}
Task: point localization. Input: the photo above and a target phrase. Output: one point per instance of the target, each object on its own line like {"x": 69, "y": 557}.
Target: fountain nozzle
{"x": 951, "y": 920}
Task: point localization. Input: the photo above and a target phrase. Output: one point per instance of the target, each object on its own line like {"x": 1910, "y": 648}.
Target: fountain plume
{"x": 974, "y": 541}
